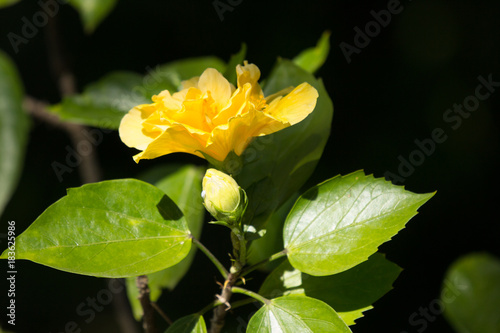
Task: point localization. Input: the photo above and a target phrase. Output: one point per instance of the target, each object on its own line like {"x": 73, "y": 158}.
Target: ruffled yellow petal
{"x": 174, "y": 139}
{"x": 130, "y": 129}
{"x": 295, "y": 106}
{"x": 240, "y": 130}
{"x": 216, "y": 84}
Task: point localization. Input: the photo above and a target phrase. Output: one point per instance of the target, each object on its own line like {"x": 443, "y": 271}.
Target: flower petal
{"x": 220, "y": 89}
{"x": 174, "y": 139}
{"x": 295, "y": 106}
{"x": 130, "y": 129}
{"x": 240, "y": 130}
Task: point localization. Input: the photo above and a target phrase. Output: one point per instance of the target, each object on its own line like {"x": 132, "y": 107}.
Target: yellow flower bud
{"x": 222, "y": 196}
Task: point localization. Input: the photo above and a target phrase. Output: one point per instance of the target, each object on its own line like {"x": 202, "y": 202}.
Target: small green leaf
{"x": 13, "y": 129}
{"x": 6, "y": 3}
{"x": 236, "y": 59}
{"x": 105, "y": 102}
{"x": 341, "y": 222}
{"x": 349, "y": 293}
{"x": 93, "y": 12}
{"x": 276, "y": 166}
{"x": 296, "y": 313}
{"x": 190, "y": 324}
{"x": 183, "y": 185}
{"x": 471, "y": 294}
{"x": 116, "y": 228}
{"x": 313, "y": 58}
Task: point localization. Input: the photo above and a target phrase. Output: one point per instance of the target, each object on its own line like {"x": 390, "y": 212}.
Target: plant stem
{"x": 217, "y": 321}
{"x": 263, "y": 262}
{"x": 250, "y": 293}
{"x": 212, "y": 258}
{"x": 148, "y": 310}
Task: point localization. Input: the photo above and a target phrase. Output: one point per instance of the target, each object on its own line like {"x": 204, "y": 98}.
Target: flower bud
{"x": 222, "y": 196}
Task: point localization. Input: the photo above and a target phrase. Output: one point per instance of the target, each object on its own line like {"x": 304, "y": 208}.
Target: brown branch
{"x": 148, "y": 310}
{"x": 219, "y": 315}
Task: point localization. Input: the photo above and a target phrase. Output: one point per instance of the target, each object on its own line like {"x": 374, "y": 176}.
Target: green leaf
{"x": 349, "y": 293}
{"x": 93, "y": 12}
{"x": 183, "y": 185}
{"x": 6, "y": 3}
{"x": 190, "y": 324}
{"x": 313, "y": 58}
{"x": 13, "y": 129}
{"x": 236, "y": 59}
{"x": 105, "y": 102}
{"x": 471, "y": 294}
{"x": 276, "y": 166}
{"x": 116, "y": 228}
{"x": 341, "y": 222}
{"x": 296, "y": 313}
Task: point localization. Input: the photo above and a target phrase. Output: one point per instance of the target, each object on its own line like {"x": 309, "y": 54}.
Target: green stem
{"x": 250, "y": 293}
{"x": 212, "y": 258}
{"x": 263, "y": 262}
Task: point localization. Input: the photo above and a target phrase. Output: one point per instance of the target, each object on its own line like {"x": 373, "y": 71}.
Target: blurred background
{"x": 389, "y": 90}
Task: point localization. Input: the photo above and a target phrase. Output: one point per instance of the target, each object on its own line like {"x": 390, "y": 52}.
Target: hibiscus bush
{"x": 261, "y": 139}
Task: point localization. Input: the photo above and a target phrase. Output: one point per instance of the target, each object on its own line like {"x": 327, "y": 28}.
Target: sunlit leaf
{"x": 183, "y": 185}
{"x": 313, "y": 58}
{"x": 190, "y": 324}
{"x": 341, "y": 222}
{"x": 116, "y": 228}
{"x": 6, "y": 3}
{"x": 296, "y": 313}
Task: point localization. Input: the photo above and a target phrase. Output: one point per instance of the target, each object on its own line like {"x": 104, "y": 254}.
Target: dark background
{"x": 395, "y": 91}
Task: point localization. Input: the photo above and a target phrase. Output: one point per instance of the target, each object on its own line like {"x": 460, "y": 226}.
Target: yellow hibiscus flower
{"x": 210, "y": 116}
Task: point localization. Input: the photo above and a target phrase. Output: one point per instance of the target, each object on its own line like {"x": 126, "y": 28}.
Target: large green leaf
{"x": 341, "y": 222}
{"x": 13, "y": 129}
{"x": 183, "y": 185}
{"x": 276, "y": 166}
{"x": 349, "y": 293}
{"x": 93, "y": 12}
{"x": 471, "y": 294}
{"x": 105, "y": 102}
{"x": 190, "y": 324}
{"x": 6, "y": 3}
{"x": 313, "y": 58}
{"x": 296, "y": 314}
{"x": 116, "y": 228}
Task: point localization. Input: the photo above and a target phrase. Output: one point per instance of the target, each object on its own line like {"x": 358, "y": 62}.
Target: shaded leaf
{"x": 296, "y": 313}
{"x": 341, "y": 222}
{"x": 93, "y": 12}
{"x": 349, "y": 293}
{"x": 471, "y": 294}
{"x": 313, "y": 58}
{"x": 190, "y": 324}
{"x": 183, "y": 185}
{"x": 116, "y": 228}
{"x": 13, "y": 129}
{"x": 105, "y": 102}
{"x": 276, "y": 166}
